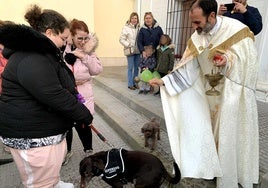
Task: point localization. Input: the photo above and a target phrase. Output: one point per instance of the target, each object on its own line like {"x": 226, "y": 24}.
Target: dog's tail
{"x": 176, "y": 179}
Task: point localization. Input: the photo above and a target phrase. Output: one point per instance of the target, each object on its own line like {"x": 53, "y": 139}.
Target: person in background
{"x": 165, "y": 57}
{"x": 148, "y": 62}
{"x": 248, "y": 15}
{"x": 3, "y": 62}
{"x": 192, "y": 117}
{"x": 80, "y": 57}
{"x": 128, "y": 38}
{"x": 39, "y": 99}
{"x": 149, "y": 34}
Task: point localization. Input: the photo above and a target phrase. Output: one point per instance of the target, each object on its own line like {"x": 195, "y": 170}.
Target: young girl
{"x": 148, "y": 61}
{"x": 165, "y": 55}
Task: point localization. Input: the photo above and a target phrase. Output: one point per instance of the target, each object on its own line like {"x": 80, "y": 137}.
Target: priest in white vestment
{"x": 214, "y": 136}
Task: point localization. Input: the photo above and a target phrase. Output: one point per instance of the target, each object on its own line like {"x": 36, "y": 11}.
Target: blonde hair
{"x": 132, "y": 15}
{"x": 149, "y": 47}
{"x": 148, "y": 13}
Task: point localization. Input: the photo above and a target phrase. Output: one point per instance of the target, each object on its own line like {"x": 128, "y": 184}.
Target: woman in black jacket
{"x": 149, "y": 34}
{"x": 38, "y": 102}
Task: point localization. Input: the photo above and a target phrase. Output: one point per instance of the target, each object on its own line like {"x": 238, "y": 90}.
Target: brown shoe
{"x": 131, "y": 87}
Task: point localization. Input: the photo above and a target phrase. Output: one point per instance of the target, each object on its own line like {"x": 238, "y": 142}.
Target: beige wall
{"x": 110, "y": 16}
{"x": 104, "y": 17}
{"x": 14, "y": 10}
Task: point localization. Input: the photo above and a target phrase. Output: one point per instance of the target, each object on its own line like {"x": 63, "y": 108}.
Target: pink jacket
{"x": 3, "y": 63}
{"x": 83, "y": 70}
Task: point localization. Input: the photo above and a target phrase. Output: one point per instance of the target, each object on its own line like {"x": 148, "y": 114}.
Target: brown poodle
{"x": 151, "y": 132}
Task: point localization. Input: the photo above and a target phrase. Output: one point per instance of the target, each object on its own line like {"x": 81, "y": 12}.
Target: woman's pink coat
{"x": 84, "y": 70}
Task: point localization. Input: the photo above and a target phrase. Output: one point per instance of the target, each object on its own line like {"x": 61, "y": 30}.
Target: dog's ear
{"x": 155, "y": 129}
{"x": 97, "y": 162}
{"x": 84, "y": 165}
{"x": 144, "y": 128}
{"x": 99, "y": 158}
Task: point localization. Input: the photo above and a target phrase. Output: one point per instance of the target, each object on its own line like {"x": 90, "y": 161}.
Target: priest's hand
{"x": 156, "y": 82}
{"x": 219, "y": 60}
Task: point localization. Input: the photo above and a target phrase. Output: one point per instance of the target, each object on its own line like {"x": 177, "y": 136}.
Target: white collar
{"x": 215, "y": 28}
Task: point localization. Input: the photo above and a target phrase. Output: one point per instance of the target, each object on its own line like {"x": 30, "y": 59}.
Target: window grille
{"x": 178, "y": 25}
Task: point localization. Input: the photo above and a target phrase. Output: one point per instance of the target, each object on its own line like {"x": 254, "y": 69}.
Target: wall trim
{"x": 113, "y": 61}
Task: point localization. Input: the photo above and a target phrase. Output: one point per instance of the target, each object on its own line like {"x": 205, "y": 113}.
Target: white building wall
{"x": 160, "y": 12}
{"x": 157, "y": 7}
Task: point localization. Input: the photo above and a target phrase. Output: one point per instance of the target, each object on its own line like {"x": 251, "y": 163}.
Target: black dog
{"x": 142, "y": 169}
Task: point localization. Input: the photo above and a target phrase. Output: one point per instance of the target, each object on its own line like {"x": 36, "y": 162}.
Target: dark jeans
{"x": 85, "y": 135}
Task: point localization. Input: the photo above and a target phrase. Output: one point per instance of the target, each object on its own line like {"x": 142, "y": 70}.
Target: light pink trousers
{"x": 40, "y": 167}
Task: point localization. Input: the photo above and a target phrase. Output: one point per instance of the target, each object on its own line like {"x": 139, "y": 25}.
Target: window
{"x": 178, "y": 24}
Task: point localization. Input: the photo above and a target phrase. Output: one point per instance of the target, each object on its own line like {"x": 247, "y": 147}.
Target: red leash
{"x": 101, "y": 136}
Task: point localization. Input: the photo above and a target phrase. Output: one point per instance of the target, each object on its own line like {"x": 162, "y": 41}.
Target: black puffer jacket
{"x": 39, "y": 95}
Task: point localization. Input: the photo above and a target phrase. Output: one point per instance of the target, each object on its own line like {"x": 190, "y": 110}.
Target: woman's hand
{"x": 79, "y": 53}
{"x": 222, "y": 9}
{"x": 240, "y": 8}
{"x": 92, "y": 44}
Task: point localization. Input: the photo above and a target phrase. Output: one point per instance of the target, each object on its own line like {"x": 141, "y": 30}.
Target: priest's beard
{"x": 208, "y": 26}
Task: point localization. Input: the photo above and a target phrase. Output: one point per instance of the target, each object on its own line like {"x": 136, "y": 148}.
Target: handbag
{"x": 128, "y": 51}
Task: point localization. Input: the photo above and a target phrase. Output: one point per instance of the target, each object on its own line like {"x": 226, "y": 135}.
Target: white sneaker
{"x": 6, "y": 149}
{"x": 62, "y": 184}
{"x": 67, "y": 158}
{"x": 88, "y": 152}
